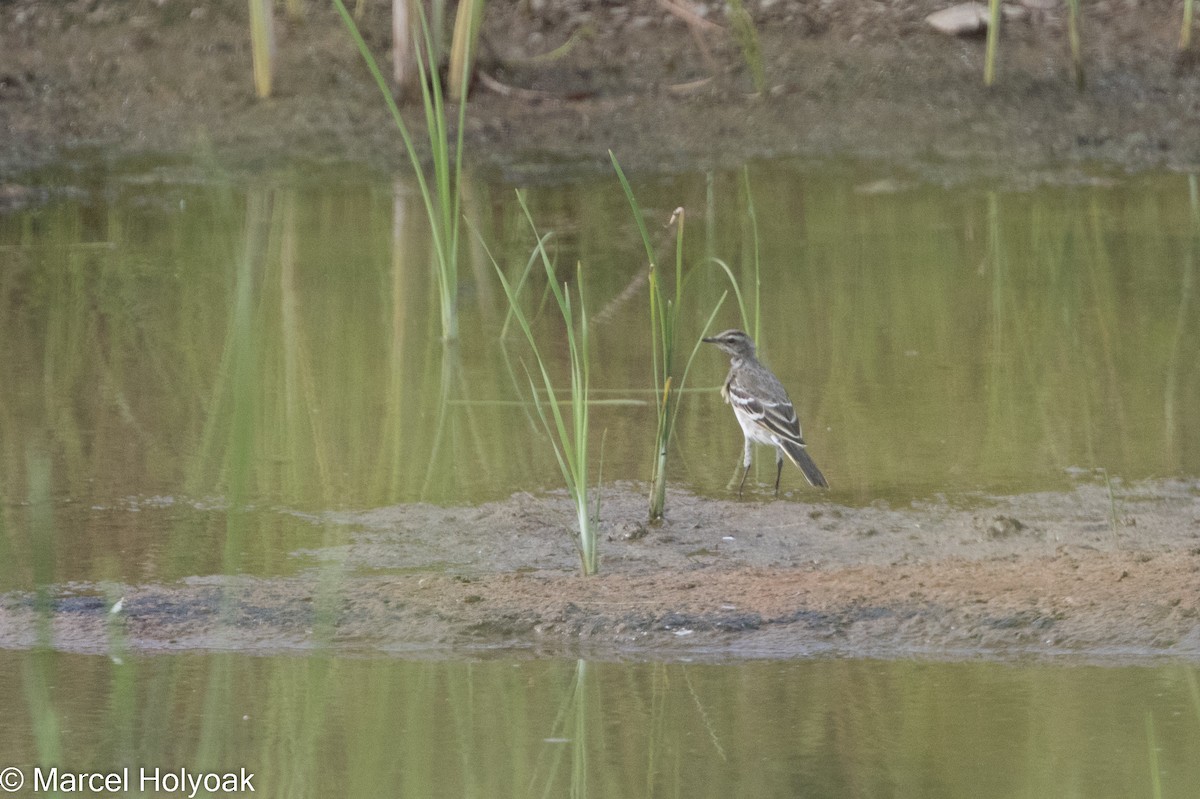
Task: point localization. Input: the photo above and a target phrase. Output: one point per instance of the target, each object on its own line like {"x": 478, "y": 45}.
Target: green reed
{"x": 664, "y": 326}
{"x": 754, "y": 329}
{"x": 751, "y": 321}
{"x": 443, "y": 202}
{"x": 262, "y": 45}
{"x": 1073, "y": 38}
{"x": 1076, "y": 46}
{"x": 462, "y": 47}
{"x": 746, "y": 35}
{"x": 993, "y": 41}
{"x": 570, "y": 441}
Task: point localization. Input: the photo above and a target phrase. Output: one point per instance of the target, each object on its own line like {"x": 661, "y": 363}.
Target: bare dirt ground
{"x": 1047, "y": 574}
{"x": 92, "y": 79}
{"x": 88, "y": 83}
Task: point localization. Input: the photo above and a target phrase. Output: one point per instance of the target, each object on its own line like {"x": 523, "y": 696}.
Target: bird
{"x": 763, "y": 409}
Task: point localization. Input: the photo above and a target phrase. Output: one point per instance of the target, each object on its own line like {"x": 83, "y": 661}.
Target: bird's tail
{"x": 798, "y": 455}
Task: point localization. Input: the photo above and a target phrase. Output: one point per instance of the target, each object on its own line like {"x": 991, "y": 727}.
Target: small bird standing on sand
{"x": 763, "y": 409}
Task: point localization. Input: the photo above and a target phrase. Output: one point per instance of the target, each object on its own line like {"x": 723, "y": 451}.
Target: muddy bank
{"x": 1042, "y": 574}
{"x": 84, "y": 84}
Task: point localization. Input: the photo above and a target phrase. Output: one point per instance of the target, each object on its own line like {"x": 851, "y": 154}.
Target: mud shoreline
{"x": 1043, "y": 576}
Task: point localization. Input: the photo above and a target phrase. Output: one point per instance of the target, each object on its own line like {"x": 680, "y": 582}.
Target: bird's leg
{"x": 745, "y": 466}
{"x": 778, "y": 469}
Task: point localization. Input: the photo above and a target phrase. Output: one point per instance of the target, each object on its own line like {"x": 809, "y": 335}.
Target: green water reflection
{"x": 179, "y": 347}
{"x": 178, "y": 355}
{"x": 321, "y": 727}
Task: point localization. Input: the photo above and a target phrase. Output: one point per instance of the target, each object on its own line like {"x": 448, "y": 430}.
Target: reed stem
{"x": 993, "y": 39}
{"x": 262, "y": 45}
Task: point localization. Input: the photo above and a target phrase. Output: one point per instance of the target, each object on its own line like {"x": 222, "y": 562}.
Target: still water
{"x": 177, "y": 344}
{"x": 325, "y": 727}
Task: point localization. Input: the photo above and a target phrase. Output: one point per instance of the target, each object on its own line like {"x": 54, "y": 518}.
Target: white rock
{"x": 964, "y": 19}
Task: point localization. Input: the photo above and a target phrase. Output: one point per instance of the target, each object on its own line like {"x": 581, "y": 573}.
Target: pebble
{"x": 971, "y": 19}
{"x": 964, "y": 19}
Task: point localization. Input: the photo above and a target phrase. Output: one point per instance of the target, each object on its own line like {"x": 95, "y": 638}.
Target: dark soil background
{"x": 861, "y": 78}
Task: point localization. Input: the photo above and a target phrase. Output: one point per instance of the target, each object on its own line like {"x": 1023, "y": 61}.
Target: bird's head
{"x": 734, "y": 342}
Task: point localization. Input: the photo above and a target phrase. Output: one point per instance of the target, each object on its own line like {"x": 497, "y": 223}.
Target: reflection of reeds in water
{"x": 281, "y": 363}
{"x": 389, "y": 467}
{"x": 1156, "y": 787}
{"x": 288, "y": 353}
{"x": 571, "y": 733}
{"x": 43, "y": 537}
{"x": 1051, "y": 338}
{"x": 366, "y": 726}
{"x": 296, "y": 439}
{"x": 294, "y": 406}
{"x": 37, "y": 677}
{"x": 233, "y": 430}
{"x": 443, "y": 201}
{"x": 228, "y": 442}
{"x": 1181, "y": 357}
{"x": 1064, "y": 346}
{"x": 257, "y": 369}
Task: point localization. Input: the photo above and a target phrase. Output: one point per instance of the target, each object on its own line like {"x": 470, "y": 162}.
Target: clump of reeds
{"x": 569, "y": 439}
{"x": 664, "y": 327}
{"x": 1073, "y": 38}
{"x": 444, "y": 201}
{"x": 746, "y": 35}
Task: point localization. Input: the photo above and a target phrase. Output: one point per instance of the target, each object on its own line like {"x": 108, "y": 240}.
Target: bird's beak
{"x": 709, "y": 340}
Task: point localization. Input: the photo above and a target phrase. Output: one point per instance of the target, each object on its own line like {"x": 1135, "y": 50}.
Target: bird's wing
{"x": 775, "y": 416}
